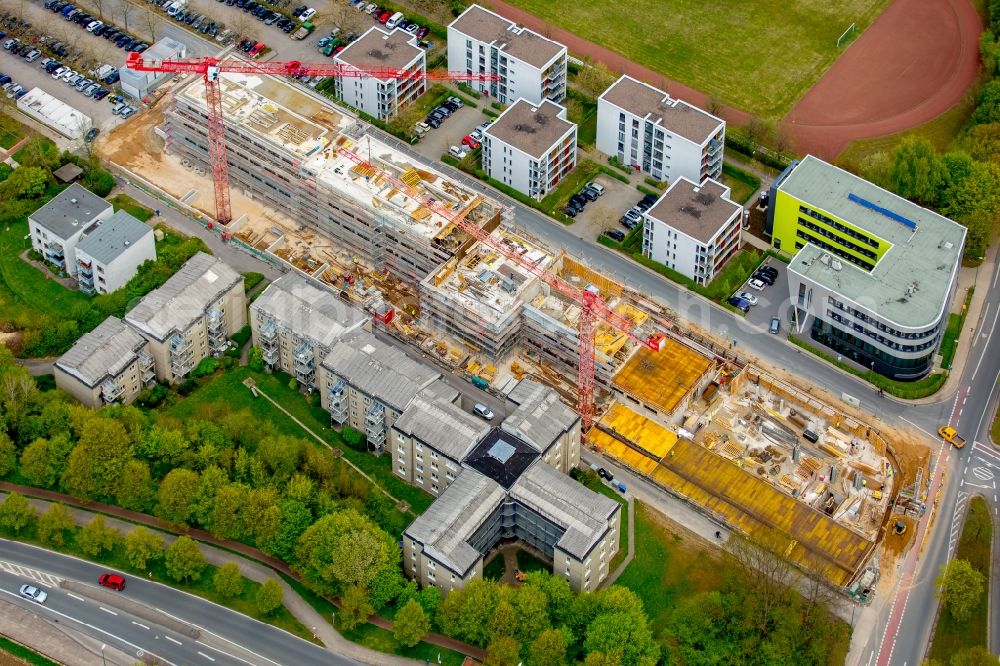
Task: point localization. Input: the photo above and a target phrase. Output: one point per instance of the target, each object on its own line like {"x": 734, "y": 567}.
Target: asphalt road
{"x": 227, "y": 637}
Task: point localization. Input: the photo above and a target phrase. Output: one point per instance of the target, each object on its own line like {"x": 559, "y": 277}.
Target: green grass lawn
{"x": 741, "y": 192}
{"x": 131, "y": 206}
{"x": 11, "y": 131}
{"x": 594, "y": 482}
{"x": 758, "y": 56}
{"x": 24, "y": 654}
{"x": 951, "y": 636}
{"x": 527, "y": 562}
{"x": 495, "y": 568}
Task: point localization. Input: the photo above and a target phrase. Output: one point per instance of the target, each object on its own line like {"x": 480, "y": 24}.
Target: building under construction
{"x": 305, "y": 158}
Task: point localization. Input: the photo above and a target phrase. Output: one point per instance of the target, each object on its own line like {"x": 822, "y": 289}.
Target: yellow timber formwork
{"x": 572, "y": 268}
{"x": 754, "y": 506}
{"x": 641, "y": 431}
{"x": 662, "y": 379}
{"x": 621, "y": 452}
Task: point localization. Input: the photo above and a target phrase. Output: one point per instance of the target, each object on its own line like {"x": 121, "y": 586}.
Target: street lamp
{"x": 103, "y": 645}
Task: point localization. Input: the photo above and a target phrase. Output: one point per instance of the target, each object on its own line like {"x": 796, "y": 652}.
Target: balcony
{"x": 714, "y": 147}
{"x": 375, "y": 425}
{"x": 179, "y": 344}
{"x": 338, "y": 402}
{"x": 111, "y": 391}
{"x": 146, "y": 367}
{"x": 216, "y": 324}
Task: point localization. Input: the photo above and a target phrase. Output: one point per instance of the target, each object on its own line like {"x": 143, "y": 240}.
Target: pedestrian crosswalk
{"x": 46, "y": 579}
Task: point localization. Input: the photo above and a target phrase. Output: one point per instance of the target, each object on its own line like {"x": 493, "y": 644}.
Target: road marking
{"x": 45, "y": 579}
{"x": 107, "y": 610}
{"x": 982, "y": 449}
{"x": 78, "y": 598}
{"x": 983, "y": 473}
{"x": 233, "y": 656}
{"x": 139, "y": 624}
{"x": 206, "y": 656}
{"x": 173, "y": 640}
{"x": 870, "y": 657}
{"x": 926, "y": 432}
{"x": 983, "y": 355}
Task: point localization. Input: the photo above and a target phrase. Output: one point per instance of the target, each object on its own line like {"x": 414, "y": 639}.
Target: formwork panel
{"x": 662, "y": 379}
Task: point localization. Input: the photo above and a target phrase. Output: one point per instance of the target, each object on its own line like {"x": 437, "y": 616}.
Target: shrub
{"x": 251, "y": 279}
{"x": 269, "y": 596}
{"x": 353, "y": 438}
{"x": 187, "y": 387}
{"x": 206, "y": 367}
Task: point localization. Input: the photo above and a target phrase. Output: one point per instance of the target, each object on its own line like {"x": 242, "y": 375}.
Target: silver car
{"x": 90, "y": 90}
{"x": 34, "y": 594}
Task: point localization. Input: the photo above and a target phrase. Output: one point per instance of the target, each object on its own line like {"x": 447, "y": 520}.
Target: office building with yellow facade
{"x": 873, "y": 275}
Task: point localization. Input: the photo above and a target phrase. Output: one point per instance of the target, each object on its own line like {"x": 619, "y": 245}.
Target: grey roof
{"x": 502, "y": 456}
{"x": 70, "y": 211}
{"x": 113, "y": 236}
{"x": 382, "y": 371}
{"x": 699, "y": 211}
{"x": 445, "y": 527}
{"x": 518, "y": 42}
{"x": 531, "y": 128}
{"x": 674, "y": 115}
{"x": 378, "y": 48}
{"x": 184, "y": 297}
{"x": 67, "y": 172}
{"x": 441, "y": 424}
{"x": 583, "y": 513}
{"x": 924, "y": 256}
{"x": 540, "y": 417}
{"x": 309, "y": 310}
{"x": 102, "y": 353}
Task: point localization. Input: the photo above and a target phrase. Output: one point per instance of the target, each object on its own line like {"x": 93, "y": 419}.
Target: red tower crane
{"x": 593, "y": 308}
{"x": 210, "y": 68}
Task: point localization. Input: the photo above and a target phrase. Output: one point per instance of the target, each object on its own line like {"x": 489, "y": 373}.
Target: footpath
{"x": 253, "y": 564}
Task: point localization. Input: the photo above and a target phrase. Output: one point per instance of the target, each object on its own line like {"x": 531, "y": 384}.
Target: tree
{"x": 185, "y": 560}
{"x": 974, "y": 656}
{"x": 503, "y": 651}
{"x": 143, "y": 547}
{"x": 595, "y": 78}
{"x": 135, "y": 489}
{"x": 176, "y": 495}
{"x": 504, "y": 620}
{"x": 916, "y": 171}
{"x": 36, "y": 464}
{"x": 25, "y": 183}
{"x": 124, "y": 8}
{"x": 960, "y": 586}
{"x": 16, "y": 513}
{"x": 269, "y": 596}
{"x": 98, "y": 461}
{"x": 97, "y": 537}
{"x": 625, "y": 634}
{"x": 355, "y": 608}
{"x": 227, "y": 520}
{"x": 532, "y": 614}
{"x": 228, "y": 581}
{"x": 8, "y": 455}
{"x": 988, "y": 105}
{"x": 983, "y": 142}
{"x": 255, "y": 359}
{"x": 548, "y": 649}
{"x": 54, "y": 524}
{"x": 411, "y": 624}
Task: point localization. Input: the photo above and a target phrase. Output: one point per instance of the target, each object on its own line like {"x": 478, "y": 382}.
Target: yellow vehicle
{"x": 951, "y": 436}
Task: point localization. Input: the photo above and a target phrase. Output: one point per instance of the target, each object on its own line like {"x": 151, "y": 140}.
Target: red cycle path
{"x": 911, "y": 65}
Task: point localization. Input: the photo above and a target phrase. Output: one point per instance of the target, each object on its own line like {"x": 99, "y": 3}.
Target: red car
{"x": 114, "y": 581}
{"x": 470, "y": 142}
{"x": 257, "y": 49}
{"x": 422, "y": 32}
{"x": 384, "y": 16}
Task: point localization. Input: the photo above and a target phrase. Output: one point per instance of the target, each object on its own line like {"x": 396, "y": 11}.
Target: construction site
{"x": 312, "y": 188}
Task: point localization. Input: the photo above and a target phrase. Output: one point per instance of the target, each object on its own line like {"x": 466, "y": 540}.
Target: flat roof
{"x": 645, "y": 433}
{"x": 911, "y": 283}
{"x": 70, "y": 211}
{"x": 655, "y": 105}
{"x": 377, "y": 48}
{"x": 308, "y": 309}
{"x": 540, "y": 417}
{"x": 487, "y": 282}
{"x": 101, "y": 353}
{"x": 378, "y": 369}
{"x": 437, "y": 421}
{"x": 531, "y": 128}
{"x": 526, "y": 45}
{"x": 581, "y": 512}
{"x": 698, "y": 211}
{"x": 502, "y": 456}
{"x": 182, "y": 299}
{"x": 450, "y": 521}
{"x": 662, "y": 379}
{"x": 113, "y": 236}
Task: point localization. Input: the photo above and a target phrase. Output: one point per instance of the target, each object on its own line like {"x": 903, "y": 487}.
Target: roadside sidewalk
{"x": 56, "y": 641}
{"x": 254, "y": 564}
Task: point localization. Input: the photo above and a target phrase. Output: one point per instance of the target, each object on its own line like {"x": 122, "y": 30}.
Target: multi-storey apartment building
{"x": 539, "y": 418}
{"x": 108, "y": 255}
{"x": 366, "y": 384}
{"x": 296, "y": 322}
{"x": 377, "y": 49}
{"x": 525, "y": 64}
{"x": 667, "y": 138}
{"x": 110, "y": 364}
{"x": 192, "y": 316}
{"x": 693, "y": 228}
{"x": 57, "y": 227}
{"x": 288, "y": 149}
{"x": 873, "y": 275}
{"x": 530, "y": 147}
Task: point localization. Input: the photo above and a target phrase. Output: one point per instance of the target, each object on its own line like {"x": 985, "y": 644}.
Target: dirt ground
{"x": 897, "y": 544}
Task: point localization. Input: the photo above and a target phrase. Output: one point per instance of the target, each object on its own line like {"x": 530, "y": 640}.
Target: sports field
{"x": 758, "y": 56}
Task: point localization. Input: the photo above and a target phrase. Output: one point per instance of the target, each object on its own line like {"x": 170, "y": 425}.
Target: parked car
{"x": 458, "y": 152}
{"x": 127, "y": 111}
{"x": 746, "y": 296}
{"x": 631, "y": 219}
{"x": 433, "y": 122}
{"x": 422, "y": 32}
{"x": 597, "y": 187}
{"x": 756, "y": 284}
{"x": 615, "y": 234}
{"x": 13, "y": 90}
{"x": 483, "y": 411}
{"x": 588, "y": 194}
{"x": 763, "y": 277}
{"x": 769, "y": 270}
{"x": 470, "y": 142}
{"x": 739, "y": 303}
{"x": 570, "y": 211}
{"x": 307, "y": 14}
{"x": 101, "y": 93}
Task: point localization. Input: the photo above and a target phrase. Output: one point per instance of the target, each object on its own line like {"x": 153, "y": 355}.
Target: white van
{"x": 394, "y": 20}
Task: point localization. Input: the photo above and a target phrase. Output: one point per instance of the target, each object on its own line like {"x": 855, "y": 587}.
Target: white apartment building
{"x": 366, "y": 384}
{"x": 110, "y": 364}
{"x": 693, "y": 229}
{"x": 56, "y": 227}
{"x": 667, "y": 138}
{"x": 377, "y": 49}
{"x": 192, "y": 316}
{"x": 526, "y": 64}
{"x": 530, "y": 147}
{"x": 296, "y": 322}
{"x": 109, "y": 254}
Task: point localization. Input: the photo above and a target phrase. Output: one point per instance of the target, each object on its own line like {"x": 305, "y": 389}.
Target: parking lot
{"x": 772, "y": 301}
{"x": 30, "y": 75}
{"x": 606, "y": 212}
{"x": 436, "y": 142}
